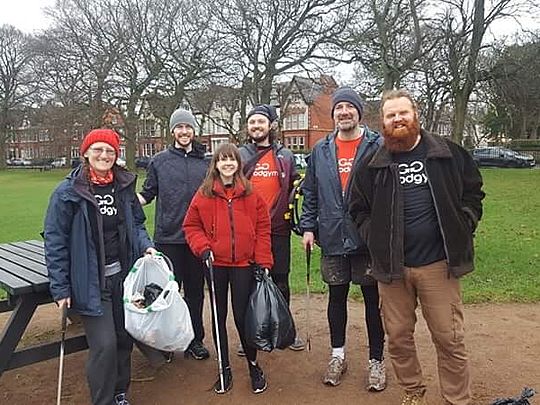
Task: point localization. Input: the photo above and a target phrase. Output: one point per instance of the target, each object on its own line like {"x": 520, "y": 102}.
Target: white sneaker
{"x": 336, "y": 368}
{"x": 376, "y": 376}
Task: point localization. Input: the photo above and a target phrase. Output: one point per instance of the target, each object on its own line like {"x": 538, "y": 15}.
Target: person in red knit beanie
{"x": 94, "y": 231}
{"x": 108, "y": 136}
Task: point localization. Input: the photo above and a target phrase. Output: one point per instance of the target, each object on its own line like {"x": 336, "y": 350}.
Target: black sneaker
{"x": 220, "y": 388}
{"x": 197, "y": 351}
{"x": 258, "y": 382}
{"x": 120, "y": 399}
{"x": 169, "y": 357}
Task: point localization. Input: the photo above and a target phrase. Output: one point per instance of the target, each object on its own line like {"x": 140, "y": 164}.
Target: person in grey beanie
{"x": 173, "y": 177}
{"x": 344, "y": 255}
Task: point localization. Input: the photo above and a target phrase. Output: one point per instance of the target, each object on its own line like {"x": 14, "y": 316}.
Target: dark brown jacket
{"x": 376, "y": 206}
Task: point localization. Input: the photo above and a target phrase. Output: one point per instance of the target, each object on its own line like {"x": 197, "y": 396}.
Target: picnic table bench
{"x": 23, "y": 275}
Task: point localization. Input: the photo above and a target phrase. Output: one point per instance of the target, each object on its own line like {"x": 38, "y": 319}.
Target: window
{"x": 295, "y": 121}
{"x": 149, "y": 149}
{"x": 295, "y": 142}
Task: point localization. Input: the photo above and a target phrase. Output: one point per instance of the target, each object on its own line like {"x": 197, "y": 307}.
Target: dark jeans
{"x": 108, "y": 368}
{"x": 281, "y": 252}
{"x": 188, "y": 271}
{"x": 337, "y": 318}
{"x": 241, "y": 281}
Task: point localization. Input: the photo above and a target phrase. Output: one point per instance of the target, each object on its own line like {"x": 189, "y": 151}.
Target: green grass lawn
{"x": 507, "y": 239}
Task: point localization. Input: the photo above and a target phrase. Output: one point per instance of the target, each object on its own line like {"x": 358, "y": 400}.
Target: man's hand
{"x": 308, "y": 240}
{"x": 64, "y": 301}
{"x": 150, "y": 251}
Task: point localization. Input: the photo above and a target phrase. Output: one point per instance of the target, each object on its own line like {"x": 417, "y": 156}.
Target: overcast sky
{"x": 28, "y": 16}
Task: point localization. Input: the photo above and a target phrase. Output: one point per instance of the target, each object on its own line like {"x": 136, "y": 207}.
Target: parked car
{"x": 120, "y": 161}
{"x": 142, "y": 162}
{"x": 300, "y": 161}
{"x": 19, "y": 162}
{"x": 59, "y": 162}
{"x": 501, "y": 157}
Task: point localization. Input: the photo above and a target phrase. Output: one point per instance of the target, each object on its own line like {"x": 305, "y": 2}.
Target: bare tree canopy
{"x": 16, "y": 80}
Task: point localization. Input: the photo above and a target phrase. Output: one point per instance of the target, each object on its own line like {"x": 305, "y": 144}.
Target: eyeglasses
{"x": 99, "y": 151}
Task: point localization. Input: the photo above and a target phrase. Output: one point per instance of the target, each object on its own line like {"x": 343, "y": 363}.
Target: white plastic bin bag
{"x": 165, "y": 324}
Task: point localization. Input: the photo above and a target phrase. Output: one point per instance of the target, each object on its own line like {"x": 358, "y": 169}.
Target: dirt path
{"x": 503, "y": 341}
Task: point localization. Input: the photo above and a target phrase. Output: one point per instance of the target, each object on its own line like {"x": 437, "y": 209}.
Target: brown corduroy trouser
{"x": 440, "y": 300}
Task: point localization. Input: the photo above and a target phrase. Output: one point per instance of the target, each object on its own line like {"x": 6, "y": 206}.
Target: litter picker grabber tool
{"x": 308, "y": 306}
{"x": 62, "y": 344}
{"x": 215, "y": 320}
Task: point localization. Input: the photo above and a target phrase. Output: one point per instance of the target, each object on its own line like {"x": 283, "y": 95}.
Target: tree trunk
{"x": 3, "y": 138}
{"x": 458, "y": 120}
{"x": 130, "y": 132}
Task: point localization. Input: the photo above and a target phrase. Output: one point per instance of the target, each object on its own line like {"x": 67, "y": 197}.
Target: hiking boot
{"x": 220, "y": 388}
{"x": 336, "y": 368}
{"x": 376, "y": 376}
{"x": 298, "y": 344}
{"x": 258, "y": 381}
{"x": 197, "y": 351}
{"x": 120, "y": 399}
{"x": 414, "y": 398}
{"x": 240, "y": 350}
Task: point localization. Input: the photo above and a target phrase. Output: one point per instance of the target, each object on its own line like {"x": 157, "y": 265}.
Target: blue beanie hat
{"x": 269, "y": 111}
{"x": 349, "y": 95}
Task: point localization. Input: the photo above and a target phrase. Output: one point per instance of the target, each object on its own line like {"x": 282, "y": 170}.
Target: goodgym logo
{"x": 263, "y": 170}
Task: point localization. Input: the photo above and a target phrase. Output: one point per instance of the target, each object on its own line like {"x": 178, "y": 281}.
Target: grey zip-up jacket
{"x": 325, "y": 209}
{"x": 174, "y": 177}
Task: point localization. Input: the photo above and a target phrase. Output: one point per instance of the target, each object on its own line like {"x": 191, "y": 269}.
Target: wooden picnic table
{"x": 23, "y": 275}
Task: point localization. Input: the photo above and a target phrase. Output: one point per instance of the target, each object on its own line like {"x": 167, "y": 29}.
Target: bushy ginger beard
{"x": 401, "y": 139}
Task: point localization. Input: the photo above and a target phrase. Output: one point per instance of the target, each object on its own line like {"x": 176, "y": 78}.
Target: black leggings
{"x": 337, "y": 318}
{"x": 241, "y": 281}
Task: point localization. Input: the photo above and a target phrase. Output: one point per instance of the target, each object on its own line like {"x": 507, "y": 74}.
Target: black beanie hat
{"x": 269, "y": 111}
{"x": 349, "y": 95}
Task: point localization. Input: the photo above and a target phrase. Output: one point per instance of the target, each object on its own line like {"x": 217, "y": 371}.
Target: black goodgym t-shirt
{"x": 109, "y": 212}
{"x": 423, "y": 242}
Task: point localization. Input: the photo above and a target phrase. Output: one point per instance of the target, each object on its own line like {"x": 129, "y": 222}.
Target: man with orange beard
{"x": 416, "y": 202}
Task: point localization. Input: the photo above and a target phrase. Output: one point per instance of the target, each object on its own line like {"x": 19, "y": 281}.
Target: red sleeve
{"x": 263, "y": 244}
{"x": 194, "y": 227}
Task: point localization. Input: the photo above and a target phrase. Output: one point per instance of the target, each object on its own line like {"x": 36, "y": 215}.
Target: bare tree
{"x": 273, "y": 37}
{"x": 16, "y": 81}
{"x": 462, "y": 25}
{"x": 387, "y": 38}
{"x": 514, "y": 91}
{"x": 85, "y": 33}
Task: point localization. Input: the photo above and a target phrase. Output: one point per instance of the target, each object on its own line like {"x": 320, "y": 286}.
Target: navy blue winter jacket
{"x": 324, "y": 209}
{"x": 173, "y": 176}
{"x": 73, "y": 234}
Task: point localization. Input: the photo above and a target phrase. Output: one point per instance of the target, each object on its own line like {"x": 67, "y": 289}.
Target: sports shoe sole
{"x": 261, "y": 390}
{"x": 375, "y": 388}
{"x": 221, "y": 392}
{"x": 189, "y": 353}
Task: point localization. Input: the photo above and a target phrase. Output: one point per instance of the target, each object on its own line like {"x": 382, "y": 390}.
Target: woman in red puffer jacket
{"x": 229, "y": 224}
